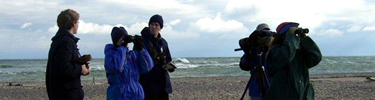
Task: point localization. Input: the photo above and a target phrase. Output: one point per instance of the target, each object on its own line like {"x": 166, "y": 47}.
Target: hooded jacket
{"x": 63, "y": 76}
{"x": 158, "y": 79}
{"x": 123, "y": 69}
{"x": 289, "y": 65}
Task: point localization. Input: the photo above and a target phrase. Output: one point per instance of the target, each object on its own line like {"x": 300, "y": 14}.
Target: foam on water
{"x": 34, "y": 70}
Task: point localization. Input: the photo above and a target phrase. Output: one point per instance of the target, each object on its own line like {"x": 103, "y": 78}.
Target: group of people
{"x": 279, "y": 65}
{"x": 137, "y": 74}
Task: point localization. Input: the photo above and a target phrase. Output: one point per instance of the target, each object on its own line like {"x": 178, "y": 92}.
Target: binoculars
{"x": 129, "y": 38}
{"x": 302, "y": 31}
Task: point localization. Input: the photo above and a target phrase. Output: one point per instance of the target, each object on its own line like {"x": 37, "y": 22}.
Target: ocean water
{"x": 34, "y": 69}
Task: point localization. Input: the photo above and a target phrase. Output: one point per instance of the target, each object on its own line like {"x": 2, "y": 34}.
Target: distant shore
{"x": 327, "y": 86}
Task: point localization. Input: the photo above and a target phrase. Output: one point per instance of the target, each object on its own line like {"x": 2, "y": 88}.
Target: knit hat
{"x": 156, "y": 18}
{"x": 262, "y": 26}
{"x": 117, "y": 33}
{"x": 285, "y": 26}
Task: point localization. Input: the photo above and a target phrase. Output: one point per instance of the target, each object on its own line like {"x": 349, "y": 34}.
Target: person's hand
{"x": 302, "y": 36}
{"x": 88, "y": 64}
{"x": 138, "y": 44}
{"x": 85, "y": 69}
{"x": 292, "y": 30}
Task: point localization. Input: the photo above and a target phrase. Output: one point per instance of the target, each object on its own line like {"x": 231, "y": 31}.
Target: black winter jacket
{"x": 63, "y": 76}
{"x": 158, "y": 79}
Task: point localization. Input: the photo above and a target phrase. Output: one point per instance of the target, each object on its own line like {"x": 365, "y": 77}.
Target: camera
{"x": 84, "y": 60}
{"x": 264, "y": 39}
{"x": 261, "y": 38}
{"x": 301, "y": 31}
{"x": 266, "y": 33}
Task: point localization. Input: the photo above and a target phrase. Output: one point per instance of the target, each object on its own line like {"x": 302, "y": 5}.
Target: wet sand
{"x": 346, "y": 86}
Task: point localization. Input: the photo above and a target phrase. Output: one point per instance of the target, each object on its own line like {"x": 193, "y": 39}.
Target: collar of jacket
{"x": 62, "y": 32}
{"x": 147, "y": 33}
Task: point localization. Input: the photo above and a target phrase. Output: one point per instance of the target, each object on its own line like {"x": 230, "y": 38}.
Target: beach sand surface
{"x": 345, "y": 86}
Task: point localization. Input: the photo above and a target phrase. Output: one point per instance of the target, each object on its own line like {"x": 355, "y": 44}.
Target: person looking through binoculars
{"x": 289, "y": 59}
{"x": 255, "y": 49}
{"x": 123, "y": 66}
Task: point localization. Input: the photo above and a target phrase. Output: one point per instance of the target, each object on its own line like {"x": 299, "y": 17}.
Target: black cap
{"x": 156, "y": 18}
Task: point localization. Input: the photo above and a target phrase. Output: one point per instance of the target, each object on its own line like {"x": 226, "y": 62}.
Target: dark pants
{"x": 74, "y": 94}
{"x": 159, "y": 96}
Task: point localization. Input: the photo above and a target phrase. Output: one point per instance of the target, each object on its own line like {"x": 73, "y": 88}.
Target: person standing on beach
{"x": 63, "y": 74}
{"x": 157, "y": 83}
{"x": 289, "y": 61}
{"x": 254, "y": 58}
{"x": 123, "y": 66}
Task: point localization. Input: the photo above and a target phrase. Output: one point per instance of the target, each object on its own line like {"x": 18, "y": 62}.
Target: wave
{"x": 181, "y": 60}
{"x": 180, "y": 65}
{"x": 23, "y": 72}
{"x": 6, "y": 66}
{"x": 7, "y": 72}
{"x": 184, "y": 63}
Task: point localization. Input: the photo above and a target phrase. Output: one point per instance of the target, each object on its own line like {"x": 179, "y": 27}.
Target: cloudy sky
{"x": 193, "y": 28}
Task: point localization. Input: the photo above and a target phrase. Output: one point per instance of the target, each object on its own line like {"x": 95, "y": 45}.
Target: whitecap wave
{"x": 181, "y": 65}
{"x": 181, "y": 60}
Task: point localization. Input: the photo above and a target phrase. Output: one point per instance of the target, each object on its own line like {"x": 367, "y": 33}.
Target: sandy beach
{"x": 347, "y": 86}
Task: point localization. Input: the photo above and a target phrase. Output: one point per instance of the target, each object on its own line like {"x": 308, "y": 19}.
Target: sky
{"x": 193, "y": 28}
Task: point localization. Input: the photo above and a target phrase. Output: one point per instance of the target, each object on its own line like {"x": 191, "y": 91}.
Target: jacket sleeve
{"x": 280, "y": 55}
{"x": 65, "y": 67}
{"x": 114, "y": 58}
{"x": 168, "y": 53}
{"x": 245, "y": 63}
{"x": 144, "y": 60}
{"x": 311, "y": 51}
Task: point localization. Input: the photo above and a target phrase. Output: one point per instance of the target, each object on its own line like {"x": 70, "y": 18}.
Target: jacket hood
{"x": 62, "y": 32}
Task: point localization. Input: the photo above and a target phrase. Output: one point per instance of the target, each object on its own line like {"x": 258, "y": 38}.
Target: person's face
{"x": 155, "y": 28}
{"x": 119, "y": 41}
{"x": 75, "y": 27}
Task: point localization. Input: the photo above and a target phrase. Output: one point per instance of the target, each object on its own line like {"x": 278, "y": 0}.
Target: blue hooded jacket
{"x": 123, "y": 69}
{"x": 158, "y": 79}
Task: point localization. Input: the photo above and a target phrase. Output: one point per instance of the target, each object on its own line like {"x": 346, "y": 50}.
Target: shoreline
{"x": 327, "y": 86}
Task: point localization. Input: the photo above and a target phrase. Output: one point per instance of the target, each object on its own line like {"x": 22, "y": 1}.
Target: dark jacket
{"x": 258, "y": 83}
{"x": 158, "y": 79}
{"x": 289, "y": 65}
{"x": 63, "y": 76}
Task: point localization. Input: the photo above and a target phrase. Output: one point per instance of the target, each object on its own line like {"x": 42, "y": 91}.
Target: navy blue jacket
{"x": 248, "y": 63}
{"x": 63, "y": 76}
{"x": 158, "y": 79}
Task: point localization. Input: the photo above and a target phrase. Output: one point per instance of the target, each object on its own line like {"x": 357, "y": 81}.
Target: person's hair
{"x": 67, "y": 18}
